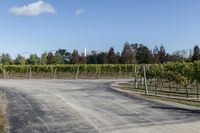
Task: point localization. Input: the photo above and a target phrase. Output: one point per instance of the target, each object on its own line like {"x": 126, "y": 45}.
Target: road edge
{"x": 3, "y": 109}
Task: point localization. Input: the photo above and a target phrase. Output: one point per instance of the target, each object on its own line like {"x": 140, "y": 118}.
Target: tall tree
{"x": 102, "y": 58}
{"x": 112, "y": 58}
{"x": 162, "y": 54}
{"x": 20, "y": 60}
{"x": 6, "y": 59}
{"x": 43, "y": 58}
{"x": 50, "y": 58}
{"x": 156, "y": 55}
{"x": 92, "y": 58}
{"x": 58, "y": 59}
{"x": 75, "y": 57}
{"x": 66, "y": 56}
{"x": 127, "y": 55}
{"x": 134, "y": 49}
{"x": 33, "y": 59}
{"x": 82, "y": 59}
{"x": 143, "y": 54}
{"x": 196, "y": 53}
{"x": 118, "y": 56}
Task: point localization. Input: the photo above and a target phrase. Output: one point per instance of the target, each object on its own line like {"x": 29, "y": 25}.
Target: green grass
{"x": 161, "y": 96}
{"x": 176, "y": 100}
{"x": 181, "y": 92}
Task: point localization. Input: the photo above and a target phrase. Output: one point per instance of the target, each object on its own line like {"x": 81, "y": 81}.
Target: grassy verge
{"x": 140, "y": 93}
{"x": 176, "y": 100}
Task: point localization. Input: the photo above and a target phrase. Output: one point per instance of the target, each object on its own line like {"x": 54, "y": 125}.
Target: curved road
{"x": 89, "y": 106}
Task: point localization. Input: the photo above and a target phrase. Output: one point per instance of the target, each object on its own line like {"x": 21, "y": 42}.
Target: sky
{"x": 36, "y": 26}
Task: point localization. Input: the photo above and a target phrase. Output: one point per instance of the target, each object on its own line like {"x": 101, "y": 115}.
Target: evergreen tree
{"x": 143, "y": 54}
{"x": 6, "y": 59}
{"x": 33, "y": 59}
{"x": 112, "y": 58}
{"x": 162, "y": 54}
{"x": 43, "y": 58}
{"x": 196, "y": 53}
{"x": 20, "y": 60}
{"x": 75, "y": 57}
{"x": 58, "y": 59}
{"x": 92, "y": 58}
{"x": 156, "y": 55}
{"x": 50, "y": 58}
{"x": 102, "y": 58}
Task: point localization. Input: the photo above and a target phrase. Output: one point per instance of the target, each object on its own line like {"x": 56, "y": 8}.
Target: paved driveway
{"x": 89, "y": 106}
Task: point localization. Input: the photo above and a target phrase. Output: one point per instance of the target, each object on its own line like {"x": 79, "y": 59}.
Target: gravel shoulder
{"x": 3, "y": 118}
{"x": 90, "y": 106}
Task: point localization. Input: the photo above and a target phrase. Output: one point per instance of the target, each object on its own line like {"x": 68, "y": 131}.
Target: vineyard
{"x": 66, "y": 71}
{"x": 171, "y": 79}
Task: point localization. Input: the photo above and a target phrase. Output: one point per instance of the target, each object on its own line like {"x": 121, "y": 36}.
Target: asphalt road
{"x": 59, "y": 106}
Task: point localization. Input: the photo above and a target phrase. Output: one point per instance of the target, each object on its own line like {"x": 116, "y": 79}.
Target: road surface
{"x": 89, "y": 106}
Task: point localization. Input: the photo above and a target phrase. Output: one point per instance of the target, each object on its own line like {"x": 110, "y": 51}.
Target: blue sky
{"x": 97, "y": 24}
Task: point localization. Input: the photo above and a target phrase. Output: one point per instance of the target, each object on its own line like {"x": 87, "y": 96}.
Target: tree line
{"x": 130, "y": 54}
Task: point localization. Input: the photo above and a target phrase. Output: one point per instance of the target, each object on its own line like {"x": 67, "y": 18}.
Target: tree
{"x": 196, "y": 53}
{"x": 162, "y": 54}
{"x": 33, "y": 59}
{"x": 118, "y": 56}
{"x": 92, "y": 58}
{"x": 127, "y": 55}
{"x": 20, "y": 60}
{"x": 156, "y": 55}
{"x": 43, "y": 58}
{"x": 66, "y": 56}
{"x": 6, "y": 59}
{"x": 102, "y": 58}
{"x": 75, "y": 57}
{"x": 134, "y": 48}
{"x": 112, "y": 58}
{"x": 143, "y": 54}
{"x": 82, "y": 59}
{"x": 50, "y": 58}
{"x": 179, "y": 55}
{"x": 58, "y": 59}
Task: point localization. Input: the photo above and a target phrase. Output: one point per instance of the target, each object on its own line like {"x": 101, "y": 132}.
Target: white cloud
{"x": 33, "y": 9}
{"x": 79, "y": 12}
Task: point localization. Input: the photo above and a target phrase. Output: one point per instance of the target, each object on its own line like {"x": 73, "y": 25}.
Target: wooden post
{"x": 197, "y": 91}
{"x": 52, "y": 73}
{"x": 30, "y": 73}
{"x": 135, "y": 73}
{"x": 55, "y": 71}
{"x": 145, "y": 81}
{"x": 4, "y": 73}
{"x": 132, "y": 76}
{"x": 197, "y": 88}
{"x": 99, "y": 73}
{"x": 77, "y": 72}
